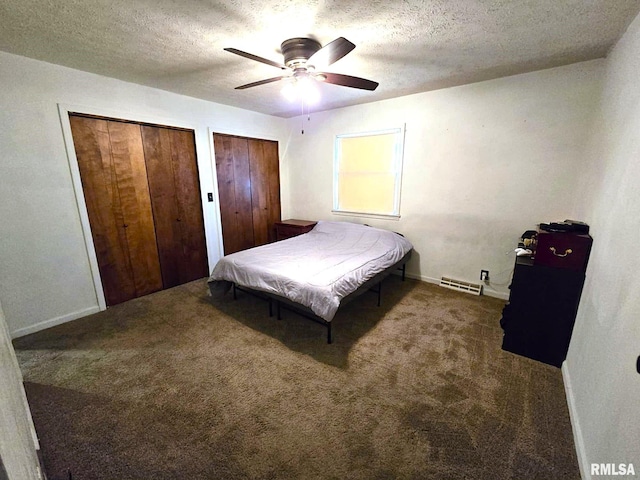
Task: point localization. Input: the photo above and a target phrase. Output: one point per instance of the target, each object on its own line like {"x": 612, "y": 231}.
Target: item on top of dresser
{"x": 528, "y": 239}
{"x": 578, "y": 227}
{"x": 569, "y": 226}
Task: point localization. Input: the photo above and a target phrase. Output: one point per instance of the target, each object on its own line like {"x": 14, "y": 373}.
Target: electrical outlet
{"x": 484, "y": 275}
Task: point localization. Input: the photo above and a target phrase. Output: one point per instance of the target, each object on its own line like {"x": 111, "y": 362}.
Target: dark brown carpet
{"x": 178, "y": 386}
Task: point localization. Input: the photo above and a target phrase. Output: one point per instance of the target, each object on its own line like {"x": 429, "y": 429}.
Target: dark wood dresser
{"x": 292, "y": 227}
{"x": 545, "y": 293}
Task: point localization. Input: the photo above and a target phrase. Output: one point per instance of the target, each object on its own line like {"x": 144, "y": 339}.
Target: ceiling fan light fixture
{"x": 301, "y": 89}
{"x": 308, "y": 90}
{"x": 289, "y": 91}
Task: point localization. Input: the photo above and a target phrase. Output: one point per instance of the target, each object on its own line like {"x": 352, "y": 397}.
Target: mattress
{"x": 317, "y": 269}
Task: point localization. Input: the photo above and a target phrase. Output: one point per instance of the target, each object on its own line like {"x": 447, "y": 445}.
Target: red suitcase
{"x": 563, "y": 250}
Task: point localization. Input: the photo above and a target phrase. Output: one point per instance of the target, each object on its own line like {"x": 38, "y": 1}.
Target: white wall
{"x": 18, "y": 441}
{"x": 45, "y": 275}
{"x": 483, "y": 163}
{"x": 603, "y": 386}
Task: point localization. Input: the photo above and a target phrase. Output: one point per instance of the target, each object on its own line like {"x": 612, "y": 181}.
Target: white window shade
{"x": 368, "y": 173}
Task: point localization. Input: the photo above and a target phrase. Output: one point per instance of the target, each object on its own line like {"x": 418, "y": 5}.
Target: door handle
{"x": 566, "y": 252}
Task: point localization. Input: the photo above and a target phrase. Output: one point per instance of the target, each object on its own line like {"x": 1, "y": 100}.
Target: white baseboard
{"x": 436, "y": 281}
{"x": 54, "y": 321}
{"x": 583, "y": 463}
{"x": 500, "y": 295}
{"x": 423, "y": 278}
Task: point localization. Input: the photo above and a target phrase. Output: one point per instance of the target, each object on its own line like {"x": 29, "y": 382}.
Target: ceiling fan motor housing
{"x": 297, "y": 51}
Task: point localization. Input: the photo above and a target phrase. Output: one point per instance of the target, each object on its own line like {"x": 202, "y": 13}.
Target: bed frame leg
{"x": 329, "y": 333}
{"x": 379, "y": 292}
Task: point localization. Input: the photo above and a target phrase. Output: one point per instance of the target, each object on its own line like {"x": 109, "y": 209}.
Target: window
{"x": 367, "y": 173}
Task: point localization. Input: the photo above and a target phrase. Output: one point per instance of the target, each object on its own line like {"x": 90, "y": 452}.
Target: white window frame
{"x": 399, "y": 132}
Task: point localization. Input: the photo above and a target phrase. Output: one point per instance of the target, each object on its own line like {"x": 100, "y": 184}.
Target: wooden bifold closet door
{"x": 142, "y": 194}
{"x": 175, "y": 198}
{"x": 249, "y": 190}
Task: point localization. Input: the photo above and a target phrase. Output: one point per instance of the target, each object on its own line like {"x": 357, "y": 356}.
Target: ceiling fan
{"x": 302, "y": 56}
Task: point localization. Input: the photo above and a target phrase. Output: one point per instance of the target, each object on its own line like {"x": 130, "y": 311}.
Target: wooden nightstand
{"x": 291, "y": 228}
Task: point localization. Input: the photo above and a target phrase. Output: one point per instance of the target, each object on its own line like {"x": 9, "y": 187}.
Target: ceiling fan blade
{"x": 349, "y": 81}
{"x": 331, "y": 52}
{"x": 260, "y": 82}
{"x": 255, "y": 57}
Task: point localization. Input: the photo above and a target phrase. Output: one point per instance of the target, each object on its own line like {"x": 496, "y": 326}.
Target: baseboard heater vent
{"x": 461, "y": 285}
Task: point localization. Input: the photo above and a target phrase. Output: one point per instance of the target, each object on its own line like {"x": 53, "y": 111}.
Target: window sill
{"x": 366, "y": 215}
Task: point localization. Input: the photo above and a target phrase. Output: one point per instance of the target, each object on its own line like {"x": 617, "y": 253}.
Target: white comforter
{"x": 316, "y": 269}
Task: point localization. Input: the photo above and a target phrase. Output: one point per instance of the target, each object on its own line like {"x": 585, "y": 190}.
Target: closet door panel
{"x": 259, "y": 192}
{"x": 226, "y": 192}
{"x": 97, "y": 172}
{"x": 249, "y": 190}
{"x": 158, "y": 153}
{"x": 270, "y": 151}
{"x": 189, "y": 205}
{"x": 234, "y": 192}
{"x": 131, "y": 174}
{"x": 242, "y": 176}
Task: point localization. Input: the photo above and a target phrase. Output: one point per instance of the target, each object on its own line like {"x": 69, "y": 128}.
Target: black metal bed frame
{"x": 282, "y": 302}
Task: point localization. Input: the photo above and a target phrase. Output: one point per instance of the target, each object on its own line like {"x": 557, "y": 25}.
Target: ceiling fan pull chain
{"x": 302, "y": 115}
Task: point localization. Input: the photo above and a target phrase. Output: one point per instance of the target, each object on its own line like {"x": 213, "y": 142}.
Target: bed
{"x": 316, "y": 272}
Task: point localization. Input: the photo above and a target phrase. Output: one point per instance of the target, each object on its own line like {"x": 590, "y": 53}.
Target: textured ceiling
{"x": 407, "y": 46}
